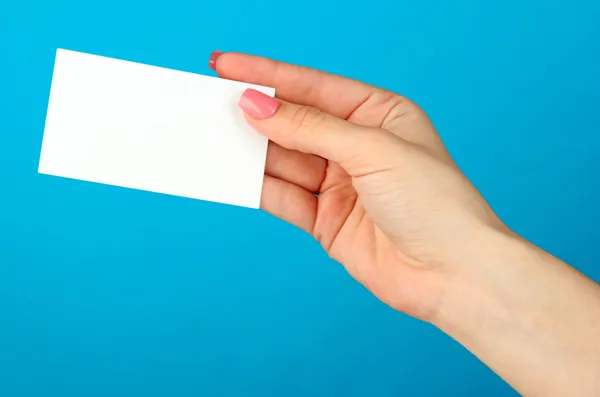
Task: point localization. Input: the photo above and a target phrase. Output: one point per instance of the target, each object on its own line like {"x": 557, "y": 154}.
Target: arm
{"x": 529, "y": 316}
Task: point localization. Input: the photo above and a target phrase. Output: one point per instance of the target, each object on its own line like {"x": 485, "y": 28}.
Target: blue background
{"x": 114, "y": 292}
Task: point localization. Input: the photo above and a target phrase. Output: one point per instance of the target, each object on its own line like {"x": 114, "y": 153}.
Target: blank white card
{"x": 150, "y": 128}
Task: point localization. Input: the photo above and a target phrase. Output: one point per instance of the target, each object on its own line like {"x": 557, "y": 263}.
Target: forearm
{"x": 529, "y": 316}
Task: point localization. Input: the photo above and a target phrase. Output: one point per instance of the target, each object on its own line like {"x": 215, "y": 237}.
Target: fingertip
{"x": 212, "y": 60}
{"x": 258, "y": 105}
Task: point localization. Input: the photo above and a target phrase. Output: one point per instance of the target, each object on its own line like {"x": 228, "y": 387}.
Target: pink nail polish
{"x": 212, "y": 61}
{"x": 258, "y": 105}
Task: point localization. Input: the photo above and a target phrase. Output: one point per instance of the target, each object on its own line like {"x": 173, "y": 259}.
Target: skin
{"x": 364, "y": 171}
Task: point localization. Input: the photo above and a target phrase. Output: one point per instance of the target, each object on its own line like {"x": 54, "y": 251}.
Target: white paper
{"x": 150, "y": 128}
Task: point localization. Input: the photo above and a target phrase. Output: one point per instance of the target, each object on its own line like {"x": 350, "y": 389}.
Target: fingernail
{"x": 212, "y": 61}
{"x": 258, "y": 105}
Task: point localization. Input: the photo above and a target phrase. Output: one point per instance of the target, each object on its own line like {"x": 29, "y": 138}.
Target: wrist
{"x": 487, "y": 267}
{"x": 526, "y": 314}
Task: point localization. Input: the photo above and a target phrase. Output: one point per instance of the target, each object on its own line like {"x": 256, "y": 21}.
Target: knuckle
{"x": 398, "y": 107}
{"x": 306, "y": 120}
{"x": 393, "y": 106}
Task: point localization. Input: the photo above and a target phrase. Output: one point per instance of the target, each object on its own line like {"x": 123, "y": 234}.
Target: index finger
{"x": 336, "y": 95}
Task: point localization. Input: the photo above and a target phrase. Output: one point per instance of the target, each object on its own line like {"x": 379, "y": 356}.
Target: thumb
{"x": 310, "y": 130}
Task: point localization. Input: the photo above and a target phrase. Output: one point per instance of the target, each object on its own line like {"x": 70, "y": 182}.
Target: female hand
{"x": 364, "y": 171}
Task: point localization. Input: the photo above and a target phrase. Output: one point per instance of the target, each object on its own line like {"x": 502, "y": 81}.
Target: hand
{"x": 364, "y": 171}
